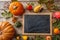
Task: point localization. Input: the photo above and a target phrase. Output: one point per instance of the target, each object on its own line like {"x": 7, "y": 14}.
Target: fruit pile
{"x": 36, "y": 9}
{"x": 56, "y": 25}
{"x": 17, "y": 9}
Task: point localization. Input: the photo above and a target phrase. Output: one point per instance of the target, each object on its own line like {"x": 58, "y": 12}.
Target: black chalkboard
{"x": 37, "y": 24}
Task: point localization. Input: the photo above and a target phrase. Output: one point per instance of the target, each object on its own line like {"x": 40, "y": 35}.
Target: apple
{"x": 29, "y": 7}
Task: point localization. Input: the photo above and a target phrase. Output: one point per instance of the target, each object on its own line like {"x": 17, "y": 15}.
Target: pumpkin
{"x": 16, "y": 8}
{"x": 56, "y": 31}
{"x": 48, "y": 38}
{"x": 6, "y": 31}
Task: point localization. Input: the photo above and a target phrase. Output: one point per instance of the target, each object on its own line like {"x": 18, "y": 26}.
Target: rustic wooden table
{"x": 3, "y": 6}
{"x": 4, "y": 3}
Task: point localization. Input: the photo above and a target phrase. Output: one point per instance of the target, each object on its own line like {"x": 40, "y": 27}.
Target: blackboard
{"x": 37, "y": 23}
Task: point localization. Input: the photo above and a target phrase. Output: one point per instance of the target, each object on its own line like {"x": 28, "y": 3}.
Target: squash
{"x": 6, "y": 31}
{"x": 56, "y": 31}
{"x": 24, "y": 37}
{"x": 48, "y": 38}
{"x": 16, "y": 8}
{"x": 18, "y": 24}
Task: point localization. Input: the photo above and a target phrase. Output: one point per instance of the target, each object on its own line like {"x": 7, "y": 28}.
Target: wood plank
{"x": 20, "y": 0}
{"x": 5, "y": 0}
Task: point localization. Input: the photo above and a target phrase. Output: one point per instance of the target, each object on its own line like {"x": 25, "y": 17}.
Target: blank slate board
{"x": 37, "y": 24}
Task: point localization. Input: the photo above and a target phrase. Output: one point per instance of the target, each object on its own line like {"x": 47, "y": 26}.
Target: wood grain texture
{"x": 20, "y": 0}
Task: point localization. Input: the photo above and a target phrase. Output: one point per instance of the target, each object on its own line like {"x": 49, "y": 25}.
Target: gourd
{"x": 16, "y": 8}
{"x": 6, "y": 31}
{"x": 18, "y": 24}
{"x": 56, "y": 31}
{"x": 25, "y": 37}
{"x": 48, "y": 38}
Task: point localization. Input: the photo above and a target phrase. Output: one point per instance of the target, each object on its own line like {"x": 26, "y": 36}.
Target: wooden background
{"x": 7, "y": 2}
{"x": 4, "y": 3}
{"x": 20, "y": 0}
{"x": 3, "y": 6}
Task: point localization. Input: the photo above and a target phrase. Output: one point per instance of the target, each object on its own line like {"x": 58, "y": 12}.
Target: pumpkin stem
{"x": 15, "y": 7}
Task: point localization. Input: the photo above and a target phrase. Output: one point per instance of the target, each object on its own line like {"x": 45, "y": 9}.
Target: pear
{"x": 37, "y": 8}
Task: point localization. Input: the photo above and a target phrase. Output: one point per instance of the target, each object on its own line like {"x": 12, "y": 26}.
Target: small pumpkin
{"x": 6, "y": 31}
{"x": 56, "y": 31}
{"x": 48, "y": 38}
{"x": 16, "y": 8}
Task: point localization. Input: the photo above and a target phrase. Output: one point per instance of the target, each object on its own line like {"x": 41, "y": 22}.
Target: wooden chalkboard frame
{"x": 38, "y": 33}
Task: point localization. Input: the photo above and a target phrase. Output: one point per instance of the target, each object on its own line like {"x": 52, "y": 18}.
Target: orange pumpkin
{"x": 16, "y": 8}
{"x": 48, "y": 38}
{"x": 56, "y": 31}
{"x": 6, "y": 31}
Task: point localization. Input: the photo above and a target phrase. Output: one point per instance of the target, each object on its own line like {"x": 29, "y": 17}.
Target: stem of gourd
{"x": 14, "y": 7}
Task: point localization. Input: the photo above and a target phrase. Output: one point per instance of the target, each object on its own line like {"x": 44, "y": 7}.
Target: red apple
{"x": 29, "y": 7}
{"x": 56, "y": 15}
